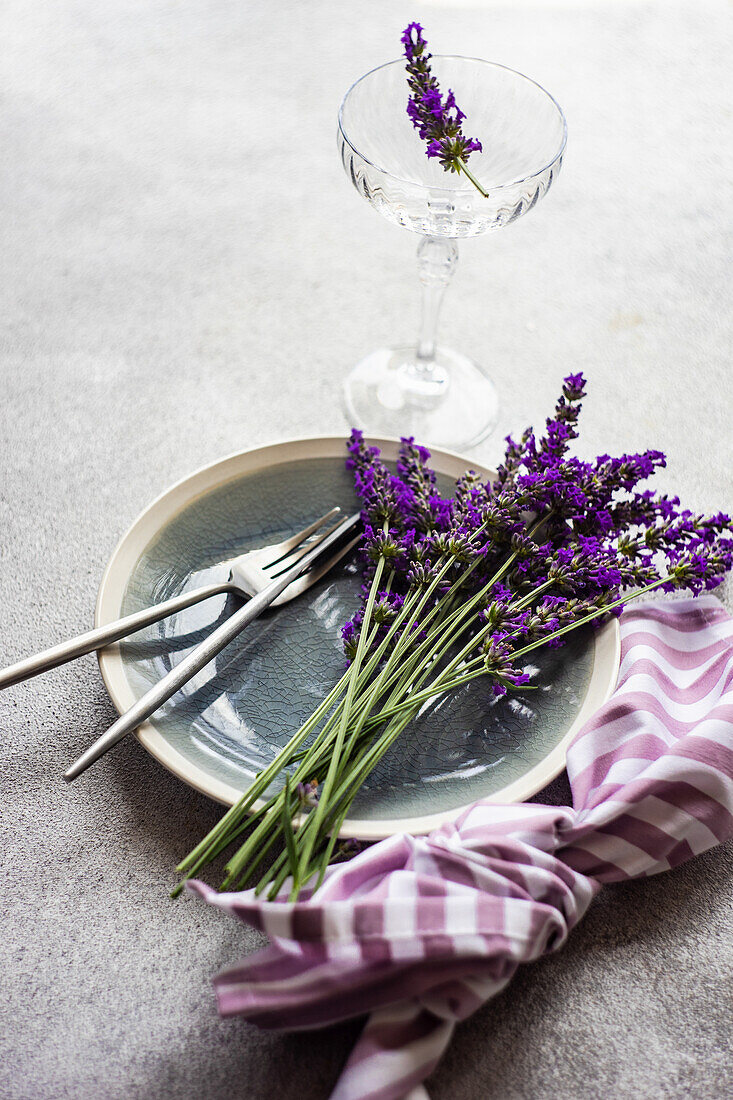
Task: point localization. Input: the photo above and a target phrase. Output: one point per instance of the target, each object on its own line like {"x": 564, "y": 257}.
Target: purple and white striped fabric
{"x": 421, "y": 931}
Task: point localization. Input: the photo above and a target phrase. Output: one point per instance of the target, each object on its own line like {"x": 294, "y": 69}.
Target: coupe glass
{"x": 432, "y": 392}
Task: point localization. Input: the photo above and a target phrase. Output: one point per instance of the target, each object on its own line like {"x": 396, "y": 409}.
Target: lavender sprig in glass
{"x": 437, "y": 120}
{"x": 428, "y": 184}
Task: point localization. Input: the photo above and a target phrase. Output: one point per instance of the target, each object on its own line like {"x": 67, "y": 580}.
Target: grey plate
{"x": 230, "y": 719}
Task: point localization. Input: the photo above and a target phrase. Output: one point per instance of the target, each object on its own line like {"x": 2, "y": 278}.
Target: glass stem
{"x": 436, "y": 261}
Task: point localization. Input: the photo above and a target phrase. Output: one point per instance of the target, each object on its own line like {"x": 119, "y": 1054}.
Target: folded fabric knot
{"x": 421, "y": 931}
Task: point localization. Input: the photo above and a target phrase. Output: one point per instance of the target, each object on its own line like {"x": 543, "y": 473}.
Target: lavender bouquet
{"x": 455, "y": 590}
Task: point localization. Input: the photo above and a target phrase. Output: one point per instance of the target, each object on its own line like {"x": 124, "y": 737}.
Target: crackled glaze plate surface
{"x": 231, "y": 719}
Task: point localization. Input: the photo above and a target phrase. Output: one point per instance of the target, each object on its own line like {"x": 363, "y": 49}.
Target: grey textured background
{"x": 186, "y": 272}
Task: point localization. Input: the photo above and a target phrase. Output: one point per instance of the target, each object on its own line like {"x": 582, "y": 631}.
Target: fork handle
{"x": 104, "y": 635}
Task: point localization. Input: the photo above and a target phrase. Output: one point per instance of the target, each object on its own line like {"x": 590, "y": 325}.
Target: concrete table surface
{"x": 187, "y": 272}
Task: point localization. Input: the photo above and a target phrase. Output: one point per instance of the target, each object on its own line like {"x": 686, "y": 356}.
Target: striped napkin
{"x": 421, "y": 931}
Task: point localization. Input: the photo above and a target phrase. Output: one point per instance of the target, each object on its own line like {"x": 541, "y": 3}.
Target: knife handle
{"x": 179, "y": 675}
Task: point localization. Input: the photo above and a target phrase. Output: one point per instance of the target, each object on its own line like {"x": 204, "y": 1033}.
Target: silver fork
{"x": 281, "y": 589}
{"x": 248, "y": 574}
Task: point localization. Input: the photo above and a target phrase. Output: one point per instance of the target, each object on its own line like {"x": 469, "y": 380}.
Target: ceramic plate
{"x": 230, "y": 720}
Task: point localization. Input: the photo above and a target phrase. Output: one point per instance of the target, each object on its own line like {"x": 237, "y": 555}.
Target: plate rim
{"x": 168, "y": 504}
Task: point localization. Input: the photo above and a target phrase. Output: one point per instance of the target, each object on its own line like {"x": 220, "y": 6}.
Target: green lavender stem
{"x": 467, "y": 172}
{"x": 344, "y": 794}
{"x": 235, "y": 866}
{"x": 338, "y": 744}
{"x": 262, "y": 782}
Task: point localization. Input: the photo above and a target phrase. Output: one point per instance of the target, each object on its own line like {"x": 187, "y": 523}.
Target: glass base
{"x": 452, "y": 404}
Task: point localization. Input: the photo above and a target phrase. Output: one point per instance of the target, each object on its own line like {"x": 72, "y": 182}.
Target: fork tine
{"x": 279, "y": 567}
{"x": 297, "y": 587}
{"x": 288, "y": 560}
{"x": 281, "y": 549}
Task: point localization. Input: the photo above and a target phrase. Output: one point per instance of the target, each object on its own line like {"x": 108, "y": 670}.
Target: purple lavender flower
{"x": 497, "y": 655}
{"x": 421, "y": 574}
{"x": 437, "y": 120}
{"x": 386, "y": 544}
{"x": 383, "y": 495}
{"x": 428, "y": 510}
{"x": 307, "y": 793}
{"x": 565, "y": 536}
